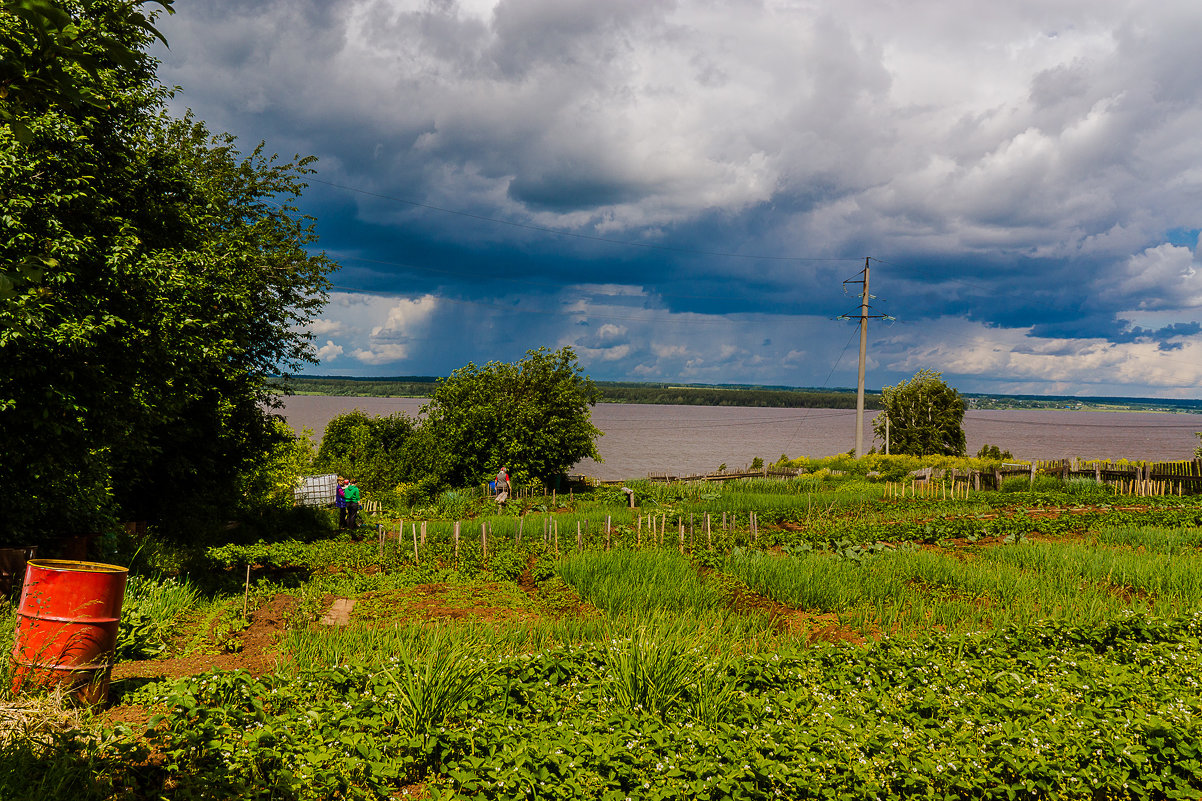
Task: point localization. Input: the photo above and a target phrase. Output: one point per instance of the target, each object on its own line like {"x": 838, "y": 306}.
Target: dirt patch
{"x": 256, "y": 655}
{"x": 526, "y": 580}
{"x": 338, "y": 613}
{"x": 438, "y": 602}
{"x": 488, "y": 602}
{"x": 825, "y": 627}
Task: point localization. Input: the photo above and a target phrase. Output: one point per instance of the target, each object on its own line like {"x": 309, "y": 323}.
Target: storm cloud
{"x": 680, "y": 189}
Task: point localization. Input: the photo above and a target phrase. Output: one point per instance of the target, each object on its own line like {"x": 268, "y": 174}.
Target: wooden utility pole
{"x": 863, "y": 317}
{"x": 860, "y": 372}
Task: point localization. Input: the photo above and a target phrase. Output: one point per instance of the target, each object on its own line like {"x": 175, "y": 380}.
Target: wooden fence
{"x": 654, "y": 530}
{"x": 1144, "y": 478}
{"x": 669, "y": 478}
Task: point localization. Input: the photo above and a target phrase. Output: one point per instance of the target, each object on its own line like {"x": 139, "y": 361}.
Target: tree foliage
{"x": 45, "y": 54}
{"x": 374, "y": 451}
{"x": 173, "y": 278}
{"x": 993, "y": 452}
{"x": 925, "y": 417}
{"x": 532, "y": 417}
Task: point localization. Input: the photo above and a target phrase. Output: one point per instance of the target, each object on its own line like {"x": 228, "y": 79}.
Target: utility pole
{"x": 863, "y": 317}
{"x": 860, "y": 373}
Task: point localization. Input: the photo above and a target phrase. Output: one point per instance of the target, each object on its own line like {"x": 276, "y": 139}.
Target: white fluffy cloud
{"x": 1163, "y": 277}
{"x": 1040, "y": 365}
{"x": 329, "y": 351}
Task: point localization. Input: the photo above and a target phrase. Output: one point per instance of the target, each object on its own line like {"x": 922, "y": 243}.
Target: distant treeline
{"x": 611, "y": 392}
{"x": 420, "y": 386}
{"x": 414, "y": 386}
{"x": 728, "y": 396}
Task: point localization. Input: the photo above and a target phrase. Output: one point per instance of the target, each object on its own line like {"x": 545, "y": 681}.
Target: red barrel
{"x": 67, "y": 626}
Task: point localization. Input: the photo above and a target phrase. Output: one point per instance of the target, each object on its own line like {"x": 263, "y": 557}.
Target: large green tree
{"x": 174, "y": 278}
{"x": 925, "y": 417}
{"x": 532, "y": 417}
{"x": 371, "y": 450}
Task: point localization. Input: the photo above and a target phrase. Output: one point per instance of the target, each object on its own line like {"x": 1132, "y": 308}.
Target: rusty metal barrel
{"x": 67, "y": 627}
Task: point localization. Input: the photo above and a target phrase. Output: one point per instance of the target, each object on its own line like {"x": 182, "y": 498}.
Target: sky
{"x": 688, "y": 191}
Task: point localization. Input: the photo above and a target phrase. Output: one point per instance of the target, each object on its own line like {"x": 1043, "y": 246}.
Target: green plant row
{"x": 1017, "y": 523}
{"x": 1045, "y": 711}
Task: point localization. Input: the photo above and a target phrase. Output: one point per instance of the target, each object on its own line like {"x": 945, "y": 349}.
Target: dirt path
{"x": 257, "y": 656}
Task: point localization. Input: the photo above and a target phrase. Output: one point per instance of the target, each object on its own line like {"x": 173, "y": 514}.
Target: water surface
{"x": 640, "y": 438}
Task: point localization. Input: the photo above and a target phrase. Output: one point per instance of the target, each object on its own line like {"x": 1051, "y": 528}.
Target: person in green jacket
{"x": 352, "y": 505}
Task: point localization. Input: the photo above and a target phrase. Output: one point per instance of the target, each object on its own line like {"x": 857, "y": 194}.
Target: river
{"x": 641, "y": 438}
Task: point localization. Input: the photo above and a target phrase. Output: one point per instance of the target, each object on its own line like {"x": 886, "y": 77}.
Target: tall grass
{"x": 149, "y": 614}
{"x": 916, "y": 589}
{"x": 1151, "y": 538}
{"x": 720, "y": 632}
{"x": 669, "y": 670}
{"x": 1164, "y": 581}
{"x": 376, "y": 646}
{"x": 624, "y": 581}
{"x": 8, "y": 629}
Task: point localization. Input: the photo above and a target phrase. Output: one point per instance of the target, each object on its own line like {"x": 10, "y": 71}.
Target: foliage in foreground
{"x": 1044, "y": 711}
{"x": 173, "y": 274}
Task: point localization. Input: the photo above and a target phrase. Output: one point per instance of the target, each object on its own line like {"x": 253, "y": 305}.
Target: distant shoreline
{"x": 743, "y": 396}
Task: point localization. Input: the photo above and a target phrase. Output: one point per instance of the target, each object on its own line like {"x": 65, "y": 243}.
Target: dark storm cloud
{"x": 1027, "y": 174}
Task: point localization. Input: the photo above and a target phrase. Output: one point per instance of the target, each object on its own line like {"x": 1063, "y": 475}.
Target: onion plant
{"x": 433, "y": 686}
{"x": 622, "y": 581}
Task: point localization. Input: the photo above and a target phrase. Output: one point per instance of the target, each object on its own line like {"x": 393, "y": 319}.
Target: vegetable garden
{"x": 805, "y": 638}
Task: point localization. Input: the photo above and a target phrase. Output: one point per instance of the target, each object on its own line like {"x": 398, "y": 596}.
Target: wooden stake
{"x": 456, "y": 543}
{"x": 415, "y": 559}
{"x": 246, "y": 591}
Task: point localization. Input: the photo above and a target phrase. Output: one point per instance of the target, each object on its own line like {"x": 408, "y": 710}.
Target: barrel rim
{"x": 76, "y": 566}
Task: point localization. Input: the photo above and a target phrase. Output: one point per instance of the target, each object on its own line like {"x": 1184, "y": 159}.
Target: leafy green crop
{"x": 1045, "y": 710}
